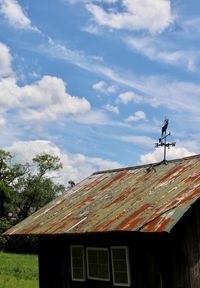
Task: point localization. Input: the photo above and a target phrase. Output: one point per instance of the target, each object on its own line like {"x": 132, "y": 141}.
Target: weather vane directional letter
{"x": 163, "y": 139}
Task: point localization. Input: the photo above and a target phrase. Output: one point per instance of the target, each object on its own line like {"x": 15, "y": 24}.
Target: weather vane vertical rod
{"x": 164, "y": 135}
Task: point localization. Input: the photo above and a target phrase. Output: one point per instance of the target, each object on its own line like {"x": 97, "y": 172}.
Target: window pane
{"x": 77, "y": 251}
{"x": 121, "y": 277}
{"x": 98, "y": 263}
{"x": 119, "y": 253}
{"x": 78, "y": 273}
{"x": 92, "y": 254}
{"x": 77, "y": 263}
{"x": 93, "y": 270}
{"x": 103, "y": 257}
{"x": 120, "y": 266}
{"x": 103, "y": 271}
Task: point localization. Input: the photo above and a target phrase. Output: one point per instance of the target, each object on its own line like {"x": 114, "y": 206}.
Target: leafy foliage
{"x": 36, "y": 189}
{"x": 46, "y": 163}
{"x": 8, "y": 174}
{"x": 25, "y": 188}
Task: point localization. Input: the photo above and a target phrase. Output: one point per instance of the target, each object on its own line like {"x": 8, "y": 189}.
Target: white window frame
{"x": 83, "y": 261}
{"x": 108, "y": 263}
{"x": 128, "y": 284}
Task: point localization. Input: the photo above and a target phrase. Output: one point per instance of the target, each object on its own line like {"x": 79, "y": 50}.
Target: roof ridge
{"x": 145, "y": 165}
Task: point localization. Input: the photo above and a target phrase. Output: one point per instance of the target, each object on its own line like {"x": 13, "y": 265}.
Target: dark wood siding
{"x": 54, "y": 262}
{"x": 185, "y": 244}
{"x": 143, "y": 255}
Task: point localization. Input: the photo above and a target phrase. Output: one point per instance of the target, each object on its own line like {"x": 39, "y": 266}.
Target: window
{"x": 77, "y": 263}
{"x": 98, "y": 267}
{"x": 120, "y": 266}
{"x": 98, "y": 264}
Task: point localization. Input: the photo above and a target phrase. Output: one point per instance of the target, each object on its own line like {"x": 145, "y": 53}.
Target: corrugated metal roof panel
{"x": 130, "y": 199}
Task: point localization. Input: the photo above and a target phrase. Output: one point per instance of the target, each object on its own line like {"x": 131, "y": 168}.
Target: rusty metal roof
{"x": 129, "y": 199}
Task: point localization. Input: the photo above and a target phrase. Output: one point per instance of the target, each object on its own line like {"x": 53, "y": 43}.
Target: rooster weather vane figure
{"x": 164, "y": 128}
{"x": 163, "y": 140}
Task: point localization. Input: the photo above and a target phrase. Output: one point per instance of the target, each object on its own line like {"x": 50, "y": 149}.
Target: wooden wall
{"x": 185, "y": 247}
{"x": 54, "y": 260}
{"x": 157, "y": 260}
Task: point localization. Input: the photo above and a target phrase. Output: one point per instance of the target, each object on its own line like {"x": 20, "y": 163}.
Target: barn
{"x": 134, "y": 227}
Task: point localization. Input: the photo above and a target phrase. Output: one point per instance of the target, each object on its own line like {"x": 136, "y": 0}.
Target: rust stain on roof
{"x": 129, "y": 199}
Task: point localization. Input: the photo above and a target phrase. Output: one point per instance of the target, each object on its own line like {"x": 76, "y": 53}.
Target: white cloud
{"x": 174, "y": 95}
{"x": 161, "y": 51}
{"x": 44, "y": 99}
{"x": 93, "y": 117}
{"x": 14, "y": 14}
{"x": 128, "y": 96}
{"x": 5, "y": 61}
{"x": 90, "y": 63}
{"x": 147, "y": 127}
{"x": 92, "y": 29}
{"x": 161, "y": 91}
{"x": 190, "y": 27}
{"x": 76, "y": 57}
{"x": 151, "y": 15}
{"x": 190, "y": 143}
{"x": 109, "y": 1}
{"x": 9, "y": 93}
{"x": 48, "y": 96}
{"x": 145, "y": 141}
{"x": 104, "y": 88}
{"x": 111, "y": 108}
{"x": 181, "y": 96}
{"x": 138, "y": 115}
{"x": 75, "y": 166}
{"x": 111, "y": 89}
{"x": 172, "y": 153}
{"x": 99, "y": 86}
{"x": 73, "y": 2}
{"x": 2, "y": 121}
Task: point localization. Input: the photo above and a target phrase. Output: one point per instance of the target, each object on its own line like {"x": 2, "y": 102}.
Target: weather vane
{"x": 163, "y": 139}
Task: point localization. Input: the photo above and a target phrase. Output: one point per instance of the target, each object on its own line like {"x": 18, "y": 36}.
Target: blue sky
{"x": 92, "y": 81}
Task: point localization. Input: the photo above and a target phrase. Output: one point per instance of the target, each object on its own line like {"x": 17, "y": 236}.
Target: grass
{"x": 18, "y": 271}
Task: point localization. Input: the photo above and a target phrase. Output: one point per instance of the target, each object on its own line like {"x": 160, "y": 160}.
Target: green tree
{"x": 37, "y": 189}
{"x": 24, "y": 188}
{"x": 9, "y": 173}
